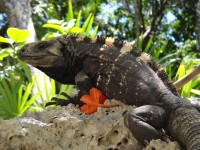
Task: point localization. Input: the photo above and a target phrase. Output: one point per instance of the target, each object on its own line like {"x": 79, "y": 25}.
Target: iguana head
{"x": 42, "y": 54}
{"x": 49, "y": 56}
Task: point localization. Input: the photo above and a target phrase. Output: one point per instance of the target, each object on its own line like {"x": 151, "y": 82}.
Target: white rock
{"x": 66, "y": 128}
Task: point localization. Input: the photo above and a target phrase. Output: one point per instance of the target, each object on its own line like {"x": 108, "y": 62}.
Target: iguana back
{"x": 121, "y": 73}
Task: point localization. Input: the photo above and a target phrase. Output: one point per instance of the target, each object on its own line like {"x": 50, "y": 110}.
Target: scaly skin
{"x": 121, "y": 73}
{"x": 184, "y": 126}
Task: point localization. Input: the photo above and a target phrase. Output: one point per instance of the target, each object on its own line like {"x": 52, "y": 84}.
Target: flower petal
{"x": 88, "y": 109}
{"x": 93, "y": 101}
{"x": 87, "y": 99}
{"x": 96, "y": 95}
{"x": 102, "y": 99}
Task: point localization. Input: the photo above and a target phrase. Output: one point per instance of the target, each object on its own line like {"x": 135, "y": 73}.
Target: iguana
{"x": 121, "y": 73}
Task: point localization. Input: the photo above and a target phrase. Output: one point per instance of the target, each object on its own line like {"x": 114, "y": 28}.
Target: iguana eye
{"x": 42, "y": 46}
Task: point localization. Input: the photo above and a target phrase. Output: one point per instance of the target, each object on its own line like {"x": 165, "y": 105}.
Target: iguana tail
{"x": 184, "y": 126}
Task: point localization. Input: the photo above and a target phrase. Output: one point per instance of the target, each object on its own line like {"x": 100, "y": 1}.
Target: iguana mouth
{"x": 24, "y": 57}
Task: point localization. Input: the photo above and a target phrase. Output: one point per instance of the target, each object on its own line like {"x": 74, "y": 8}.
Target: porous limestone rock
{"x": 66, "y": 128}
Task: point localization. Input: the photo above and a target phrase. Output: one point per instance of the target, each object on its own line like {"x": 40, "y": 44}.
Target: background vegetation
{"x": 165, "y": 29}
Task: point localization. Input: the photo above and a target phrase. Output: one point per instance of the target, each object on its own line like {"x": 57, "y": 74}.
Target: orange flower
{"x": 94, "y": 100}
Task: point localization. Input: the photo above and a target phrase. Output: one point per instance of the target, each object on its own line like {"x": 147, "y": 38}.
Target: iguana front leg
{"x": 145, "y": 121}
{"x": 83, "y": 83}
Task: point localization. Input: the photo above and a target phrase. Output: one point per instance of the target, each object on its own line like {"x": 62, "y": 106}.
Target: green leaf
{"x": 70, "y": 14}
{"x": 18, "y": 35}
{"x": 69, "y": 89}
{"x": 65, "y": 88}
{"x": 78, "y": 19}
{"x": 6, "y": 40}
{"x": 3, "y": 53}
{"x": 148, "y": 44}
{"x": 95, "y": 32}
{"x": 46, "y": 86}
{"x": 26, "y": 94}
{"x": 53, "y": 88}
{"x": 181, "y": 71}
{"x": 76, "y": 30}
{"x": 26, "y": 69}
{"x": 89, "y": 25}
{"x": 53, "y": 26}
{"x": 195, "y": 91}
{"x": 86, "y": 22}
{"x": 30, "y": 102}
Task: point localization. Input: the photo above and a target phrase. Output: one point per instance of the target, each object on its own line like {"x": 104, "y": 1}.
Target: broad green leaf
{"x": 76, "y": 30}
{"x": 6, "y": 40}
{"x": 3, "y": 53}
{"x": 53, "y": 26}
{"x": 18, "y": 35}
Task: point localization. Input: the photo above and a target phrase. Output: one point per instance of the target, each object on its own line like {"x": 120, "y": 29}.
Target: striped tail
{"x": 184, "y": 126}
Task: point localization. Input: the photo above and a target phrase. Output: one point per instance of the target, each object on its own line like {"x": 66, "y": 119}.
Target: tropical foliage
{"x": 164, "y": 29}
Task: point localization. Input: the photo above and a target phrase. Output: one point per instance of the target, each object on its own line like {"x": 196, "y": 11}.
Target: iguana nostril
{"x": 23, "y": 50}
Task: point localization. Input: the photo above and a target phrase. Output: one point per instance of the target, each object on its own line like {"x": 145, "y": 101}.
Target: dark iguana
{"x": 121, "y": 73}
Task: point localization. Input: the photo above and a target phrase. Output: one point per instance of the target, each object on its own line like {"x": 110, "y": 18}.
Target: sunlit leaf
{"x": 3, "y": 53}
{"x": 195, "y": 91}
{"x": 181, "y": 71}
{"x": 70, "y": 14}
{"x": 86, "y": 22}
{"x": 6, "y": 40}
{"x": 76, "y": 30}
{"x": 94, "y": 32}
{"x": 18, "y": 35}
{"x": 53, "y": 26}
{"x": 78, "y": 19}
{"x": 89, "y": 26}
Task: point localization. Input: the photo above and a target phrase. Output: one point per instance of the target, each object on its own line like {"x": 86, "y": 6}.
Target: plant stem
{"x": 181, "y": 82}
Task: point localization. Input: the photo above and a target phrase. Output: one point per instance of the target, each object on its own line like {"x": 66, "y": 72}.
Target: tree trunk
{"x": 198, "y": 24}
{"x": 19, "y": 15}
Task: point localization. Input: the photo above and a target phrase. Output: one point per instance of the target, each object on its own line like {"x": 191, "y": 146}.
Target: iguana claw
{"x": 62, "y": 102}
